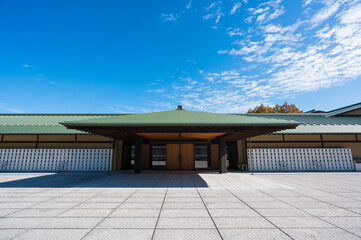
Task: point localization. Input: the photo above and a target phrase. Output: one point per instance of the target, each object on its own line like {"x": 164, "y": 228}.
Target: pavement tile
{"x": 299, "y": 222}
{"x": 135, "y": 213}
{"x": 55, "y": 205}
{"x": 226, "y": 205}
{"x": 242, "y": 222}
{"x": 70, "y": 222}
{"x": 8, "y": 205}
{"x": 144, "y": 200}
{"x": 105, "y": 200}
{"x": 314, "y": 204}
{"x": 182, "y": 205}
{"x": 6, "y": 234}
{"x": 275, "y": 204}
{"x": 94, "y": 205}
{"x": 128, "y": 223}
{"x": 344, "y": 222}
{"x": 10, "y": 223}
{"x": 185, "y": 234}
{"x": 54, "y": 234}
{"x": 274, "y": 212}
{"x": 141, "y": 205}
{"x": 248, "y": 234}
{"x": 221, "y": 200}
{"x": 183, "y": 200}
{"x": 67, "y": 200}
{"x": 75, "y": 212}
{"x": 120, "y": 234}
{"x": 7, "y": 211}
{"x": 337, "y": 212}
{"x": 319, "y": 233}
{"x": 237, "y": 212}
{"x": 170, "y": 223}
{"x": 38, "y": 212}
{"x": 183, "y": 213}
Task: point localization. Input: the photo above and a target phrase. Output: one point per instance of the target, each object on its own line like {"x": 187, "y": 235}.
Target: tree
{"x": 285, "y": 108}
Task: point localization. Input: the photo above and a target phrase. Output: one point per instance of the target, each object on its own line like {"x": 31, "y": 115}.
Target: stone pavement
{"x": 180, "y": 205}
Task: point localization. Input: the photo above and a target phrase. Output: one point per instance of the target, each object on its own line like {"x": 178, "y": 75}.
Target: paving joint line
{"x": 305, "y": 211}
{"x": 160, "y": 211}
{"x": 108, "y": 214}
{"x": 256, "y": 211}
{"x": 214, "y": 223}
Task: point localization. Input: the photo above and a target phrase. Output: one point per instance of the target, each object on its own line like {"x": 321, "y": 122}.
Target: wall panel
{"x": 55, "y": 159}
{"x": 296, "y": 159}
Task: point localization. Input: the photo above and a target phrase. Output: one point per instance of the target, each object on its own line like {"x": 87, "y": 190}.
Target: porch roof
{"x": 181, "y": 118}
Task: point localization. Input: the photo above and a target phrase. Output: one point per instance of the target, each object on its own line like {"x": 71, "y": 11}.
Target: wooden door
{"x": 187, "y": 151}
{"x": 172, "y": 156}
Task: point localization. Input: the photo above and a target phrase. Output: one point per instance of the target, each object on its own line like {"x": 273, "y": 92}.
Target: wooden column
{"x": 242, "y": 155}
{"x": 138, "y": 155}
{"x": 222, "y": 156}
{"x": 117, "y": 155}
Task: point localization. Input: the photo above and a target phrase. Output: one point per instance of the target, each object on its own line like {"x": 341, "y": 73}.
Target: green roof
{"x": 316, "y": 123}
{"x": 181, "y": 118}
{"x": 41, "y": 123}
{"x": 313, "y": 123}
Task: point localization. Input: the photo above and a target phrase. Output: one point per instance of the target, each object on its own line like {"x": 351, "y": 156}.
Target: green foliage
{"x": 285, "y": 108}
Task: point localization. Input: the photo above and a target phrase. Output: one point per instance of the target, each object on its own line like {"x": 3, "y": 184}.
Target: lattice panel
{"x": 300, "y": 159}
{"x": 55, "y": 159}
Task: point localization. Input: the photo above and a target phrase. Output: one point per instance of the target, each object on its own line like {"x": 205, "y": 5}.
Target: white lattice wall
{"x": 300, "y": 159}
{"x": 55, "y": 159}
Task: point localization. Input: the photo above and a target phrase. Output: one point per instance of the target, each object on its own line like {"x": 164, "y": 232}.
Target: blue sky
{"x": 140, "y": 56}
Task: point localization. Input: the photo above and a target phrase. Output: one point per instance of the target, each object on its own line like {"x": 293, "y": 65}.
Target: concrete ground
{"x": 180, "y": 205}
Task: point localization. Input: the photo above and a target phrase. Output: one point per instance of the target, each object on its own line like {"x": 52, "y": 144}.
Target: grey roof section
{"x": 317, "y": 123}
{"x": 344, "y": 110}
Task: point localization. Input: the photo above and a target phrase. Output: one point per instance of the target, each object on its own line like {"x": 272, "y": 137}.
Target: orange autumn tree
{"x": 285, "y": 108}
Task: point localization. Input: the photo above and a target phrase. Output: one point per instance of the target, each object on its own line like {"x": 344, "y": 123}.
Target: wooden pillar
{"x": 222, "y": 156}
{"x": 242, "y": 155}
{"x": 117, "y": 155}
{"x": 138, "y": 155}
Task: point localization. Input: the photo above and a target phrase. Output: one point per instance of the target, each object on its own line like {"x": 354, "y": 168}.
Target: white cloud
{"x": 169, "y": 17}
{"x": 10, "y": 109}
{"x": 214, "y": 11}
{"x": 266, "y": 11}
{"x": 325, "y": 13}
{"x": 159, "y": 90}
{"x": 234, "y": 32}
{"x": 306, "y": 2}
{"x": 235, "y": 7}
{"x": 284, "y": 60}
{"x": 189, "y": 5}
{"x": 26, "y": 65}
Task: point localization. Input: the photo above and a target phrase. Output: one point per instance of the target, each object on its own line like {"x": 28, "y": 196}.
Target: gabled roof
{"x": 343, "y": 110}
{"x": 181, "y": 118}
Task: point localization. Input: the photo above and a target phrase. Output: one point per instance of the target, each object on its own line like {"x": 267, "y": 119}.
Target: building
{"x": 182, "y": 140}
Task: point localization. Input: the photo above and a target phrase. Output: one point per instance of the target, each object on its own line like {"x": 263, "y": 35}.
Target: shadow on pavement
{"x": 123, "y": 179}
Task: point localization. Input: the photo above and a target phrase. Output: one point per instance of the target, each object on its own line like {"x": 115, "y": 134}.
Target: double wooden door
{"x": 180, "y": 156}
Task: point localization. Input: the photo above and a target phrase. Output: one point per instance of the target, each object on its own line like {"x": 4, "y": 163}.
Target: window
{"x": 201, "y": 158}
{"x": 158, "y": 156}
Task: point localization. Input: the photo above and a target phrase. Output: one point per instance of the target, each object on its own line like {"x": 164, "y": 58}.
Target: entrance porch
{"x": 178, "y": 135}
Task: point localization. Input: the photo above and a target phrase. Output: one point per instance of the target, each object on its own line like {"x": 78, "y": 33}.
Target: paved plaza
{"x": 180, "y": 205}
